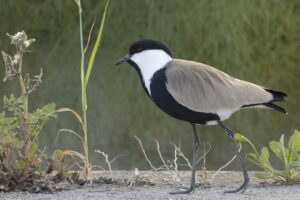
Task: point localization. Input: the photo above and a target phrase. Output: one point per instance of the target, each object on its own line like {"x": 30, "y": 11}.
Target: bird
{"x": 196, "y": 93}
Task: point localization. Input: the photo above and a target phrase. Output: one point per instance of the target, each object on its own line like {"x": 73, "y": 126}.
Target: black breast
{"x": 164, "y": 100}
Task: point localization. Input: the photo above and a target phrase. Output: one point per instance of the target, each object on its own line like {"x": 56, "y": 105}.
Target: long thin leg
{"x": 195, "y": 163}
{"x": 231, "y": 133}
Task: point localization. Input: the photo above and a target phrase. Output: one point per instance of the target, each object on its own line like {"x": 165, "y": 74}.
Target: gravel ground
{"x": 164, "y": 184}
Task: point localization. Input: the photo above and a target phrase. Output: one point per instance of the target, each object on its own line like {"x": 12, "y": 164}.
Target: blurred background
{"x": 257, "y": 41}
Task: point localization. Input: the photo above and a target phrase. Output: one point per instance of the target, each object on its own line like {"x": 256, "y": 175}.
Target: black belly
{"x": 164, "y": 100}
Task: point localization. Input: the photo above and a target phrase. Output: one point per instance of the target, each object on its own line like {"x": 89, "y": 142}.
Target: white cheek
{"x": 149, "y": 62}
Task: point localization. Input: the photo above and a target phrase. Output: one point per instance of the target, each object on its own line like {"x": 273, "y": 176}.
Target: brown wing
{"x": 203, "y": 88}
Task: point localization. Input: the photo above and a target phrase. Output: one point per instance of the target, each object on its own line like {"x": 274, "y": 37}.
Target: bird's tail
{"x": 277, "y": 96}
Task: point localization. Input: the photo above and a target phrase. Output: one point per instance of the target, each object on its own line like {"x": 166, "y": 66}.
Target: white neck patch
{"x": 149, "y": 62}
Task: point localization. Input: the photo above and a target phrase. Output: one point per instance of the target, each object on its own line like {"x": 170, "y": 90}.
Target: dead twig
{"x": 160, "y": 156}
{"x": 108, "y": 162}
{"x": 180, "y": 153}
{"x": 145, "y": 155}
{"x": 218, "y": 171}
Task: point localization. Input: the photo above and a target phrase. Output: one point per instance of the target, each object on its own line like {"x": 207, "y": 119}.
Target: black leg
{"x": 195, "y": 163}
{"x": 231, "y": 133}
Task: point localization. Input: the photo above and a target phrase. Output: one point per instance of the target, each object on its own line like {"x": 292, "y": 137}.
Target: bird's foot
{"x": 241, "y": 189}
{"x": 230, "y": 135}
{"x": 183, "y": 191}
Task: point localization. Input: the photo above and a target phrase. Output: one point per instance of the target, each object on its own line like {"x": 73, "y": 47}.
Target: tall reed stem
{"x": 83, "y": 95}
{"x": 85, "y": 75}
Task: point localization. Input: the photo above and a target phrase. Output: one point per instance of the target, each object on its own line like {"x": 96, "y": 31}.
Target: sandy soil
{"x": 163, "y": 182}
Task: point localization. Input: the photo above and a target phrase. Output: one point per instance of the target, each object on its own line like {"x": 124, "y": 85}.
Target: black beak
{"x": 123, "y": 59}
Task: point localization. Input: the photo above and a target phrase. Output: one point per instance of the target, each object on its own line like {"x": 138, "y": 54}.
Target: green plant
{"x": 85, "y": 72}
{"x": 289, "y": 157}
{"x": 19, "y": 128}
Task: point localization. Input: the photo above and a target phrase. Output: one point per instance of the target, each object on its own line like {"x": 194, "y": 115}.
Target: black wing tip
{"x": 275, "y": 107}
{"x": 277, "y": 95}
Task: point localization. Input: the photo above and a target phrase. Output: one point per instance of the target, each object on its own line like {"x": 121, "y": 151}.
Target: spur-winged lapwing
{"x": 196, "y": 93}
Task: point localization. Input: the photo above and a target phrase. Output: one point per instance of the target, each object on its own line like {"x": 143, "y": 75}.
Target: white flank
{"x": 223, "y": 115}
{"x": 211, "y": 123}
{"x": 149, "y": 62}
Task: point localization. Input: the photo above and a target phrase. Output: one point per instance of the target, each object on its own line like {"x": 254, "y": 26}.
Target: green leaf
{"x": 285, "y": 151}
{"x": 43, "y": 113}
{"x": 293, "y": 165}
{"x": 252, "y": 157}
{"x": 14, "y": 105}
{"x": 275, "y": 147}
{"x": 96, "y": 46}
{"x": 39, "y": 77}
{"x": 265, "y": 155}
{"x": 295, "y": 156}
{"x": 17, "y": 143}
{"x": 279, "y": 150}
{"x": 239, "y": 137}
{"x": 32, "y": 151}
{"x": 263, "y": 175}
{"x": 58, "y": 155}
{"x": 294, "y": 141}
{"x": 21, "y": 164}
{"x": 294, "y": 146}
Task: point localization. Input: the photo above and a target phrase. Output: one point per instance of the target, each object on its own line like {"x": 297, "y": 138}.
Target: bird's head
{"x": 146, "y": 52}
